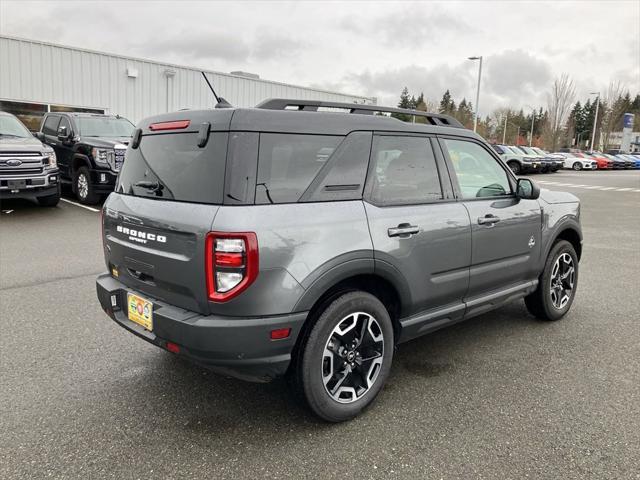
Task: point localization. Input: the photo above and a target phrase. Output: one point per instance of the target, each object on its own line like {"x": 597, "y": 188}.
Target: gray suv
{"x": 295, "y": 239}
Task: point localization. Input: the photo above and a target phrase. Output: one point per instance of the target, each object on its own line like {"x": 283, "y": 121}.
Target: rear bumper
{"x": 238, "y": 347}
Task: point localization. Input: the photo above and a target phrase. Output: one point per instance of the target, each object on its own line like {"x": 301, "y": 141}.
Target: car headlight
{"x": 103, "y": 156}
{"x": 528, "y": 159}
{"x": 53, "y": 162}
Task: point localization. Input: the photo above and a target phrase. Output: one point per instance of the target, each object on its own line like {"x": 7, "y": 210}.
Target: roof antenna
{"x": 222, "y": 103}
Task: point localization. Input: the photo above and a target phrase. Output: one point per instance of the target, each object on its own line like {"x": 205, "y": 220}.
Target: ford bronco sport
{"x": 27, "y": 167}
{"x": 285, "y": 239}
{"x": 90, "y": 148}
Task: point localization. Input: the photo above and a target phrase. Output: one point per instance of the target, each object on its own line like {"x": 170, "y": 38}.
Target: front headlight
{"x": 528, "y": 159}
{"x": 53, "y": 162}
{"x": 103, "y": 156}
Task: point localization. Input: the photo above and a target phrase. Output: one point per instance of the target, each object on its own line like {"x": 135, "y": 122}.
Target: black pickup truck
{"x": 90, "y": 150}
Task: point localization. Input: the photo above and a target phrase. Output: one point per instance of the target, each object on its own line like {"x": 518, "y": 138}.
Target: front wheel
{"x": 83, "y": 187}
{"x": 515, "y": 167}
{"x": 557, "y": 284}
{"x": 577, "y": 166}
{"x": 347, "y": 357}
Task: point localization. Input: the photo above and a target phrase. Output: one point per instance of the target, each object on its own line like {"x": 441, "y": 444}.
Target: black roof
{"x": 308, "y": 121}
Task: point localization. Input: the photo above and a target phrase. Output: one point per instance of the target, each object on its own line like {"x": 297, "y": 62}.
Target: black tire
{"x": 313, "y": 362}
{"x": 541, "y": 303}
{"x": 49, "y": 200}
{"x": 515, "y": 167}
{"x": 577, "y": 166}
{"x": 83, "y": 188}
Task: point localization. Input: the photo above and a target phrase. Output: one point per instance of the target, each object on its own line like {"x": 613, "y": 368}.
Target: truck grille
{"x": 21, "y": 163}
{"x": 118, "y": 159}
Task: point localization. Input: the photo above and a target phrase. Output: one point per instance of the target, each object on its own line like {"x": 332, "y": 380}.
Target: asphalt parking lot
{"x": 499, "y": 396}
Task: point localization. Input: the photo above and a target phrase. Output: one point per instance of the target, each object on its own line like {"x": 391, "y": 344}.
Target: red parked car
{"x": 603, "y": 162}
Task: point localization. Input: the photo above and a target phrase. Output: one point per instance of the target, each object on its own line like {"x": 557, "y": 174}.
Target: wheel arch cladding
{"x": 372, "y": 283}
{"x": 573, "y": 237}
{"x": 80, "y": 161}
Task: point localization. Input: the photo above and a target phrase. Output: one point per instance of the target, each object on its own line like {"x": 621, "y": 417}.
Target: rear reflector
{"x": 173, "y": 347}
{"x": 280, "y": 333}
{"x": 174, "y": 125}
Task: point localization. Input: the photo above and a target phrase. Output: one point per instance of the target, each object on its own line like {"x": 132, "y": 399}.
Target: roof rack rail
{"x": 313, "y": 106}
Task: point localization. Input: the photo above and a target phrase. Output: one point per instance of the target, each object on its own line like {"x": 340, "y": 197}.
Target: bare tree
{"x": 616, "y": 106}
{"x": 559, "y": 101}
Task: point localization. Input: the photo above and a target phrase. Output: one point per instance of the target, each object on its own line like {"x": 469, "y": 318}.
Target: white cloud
{"x": 369, "y": 48}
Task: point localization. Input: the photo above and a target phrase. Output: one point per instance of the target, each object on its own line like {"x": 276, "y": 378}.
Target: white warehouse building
{"x": 36, "y": 77}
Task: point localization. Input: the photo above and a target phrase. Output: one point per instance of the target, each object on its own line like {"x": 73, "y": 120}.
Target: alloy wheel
{"x": 352, "y": 357}
{"x": 562, "y": 281}
{"x": 83, "y": 186}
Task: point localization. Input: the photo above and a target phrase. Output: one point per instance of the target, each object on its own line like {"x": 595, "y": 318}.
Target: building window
{"x": 29, "y": 113}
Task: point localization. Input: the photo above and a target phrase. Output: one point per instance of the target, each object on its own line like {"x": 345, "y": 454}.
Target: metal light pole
{"x": 533, "y": 117}
{"x": 504, "y": 133}
{"x": 475, "y": 117}
{"x": 595, "y": 120}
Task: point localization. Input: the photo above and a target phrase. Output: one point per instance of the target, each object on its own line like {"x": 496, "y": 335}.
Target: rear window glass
{"x": 173, "y": 167}
{"x": 288, "y": 163}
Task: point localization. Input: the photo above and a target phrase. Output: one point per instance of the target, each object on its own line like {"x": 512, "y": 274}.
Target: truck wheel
{"x": 347, "y": 356}
{"x": 515, "y": 167}
{"x": 83, "y": 188}
{"x": 49, "y": 200}
{"x": 577, "y": 166}
{"x": 557, "y": 284}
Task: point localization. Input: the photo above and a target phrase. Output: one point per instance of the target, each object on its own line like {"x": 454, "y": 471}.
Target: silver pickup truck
{"x": 28, "y": 168}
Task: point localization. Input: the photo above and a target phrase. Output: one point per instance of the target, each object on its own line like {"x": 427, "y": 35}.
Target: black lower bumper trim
{"x": 238, "y": 347}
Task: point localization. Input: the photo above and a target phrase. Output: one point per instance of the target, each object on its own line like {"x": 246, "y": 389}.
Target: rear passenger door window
{"x": 288, "y": 163}
{"x": 403, "y": 171}
{"x": 479, "y": 174}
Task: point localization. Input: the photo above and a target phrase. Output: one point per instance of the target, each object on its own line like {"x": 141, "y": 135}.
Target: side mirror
{"x": 39, "y": 136}
{"x": 63, "y": 134}
{"x": 527, "y": 189}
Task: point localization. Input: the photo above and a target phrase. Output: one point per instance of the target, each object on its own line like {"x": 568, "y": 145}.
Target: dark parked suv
{"x": 90, "y": 149}
{"x": 285, "y": 239}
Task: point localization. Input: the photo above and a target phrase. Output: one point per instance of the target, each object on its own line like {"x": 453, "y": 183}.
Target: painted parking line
{"x": 80, "y": 205}
{"x": 589, "y": 187}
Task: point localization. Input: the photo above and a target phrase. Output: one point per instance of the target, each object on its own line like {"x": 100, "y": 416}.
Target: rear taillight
{"x": 231, "y": 263}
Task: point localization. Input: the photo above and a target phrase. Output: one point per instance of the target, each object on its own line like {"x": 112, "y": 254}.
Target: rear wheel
{"x": 577, "y": 166}
{"x": 347, "y": 357}
{"x": 515, "y": 167}
{"x": 557, "y": 286}
{"x": 83, "y": 187}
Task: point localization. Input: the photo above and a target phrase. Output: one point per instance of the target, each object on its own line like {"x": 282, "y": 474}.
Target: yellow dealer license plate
{"x": 140, "y": 311}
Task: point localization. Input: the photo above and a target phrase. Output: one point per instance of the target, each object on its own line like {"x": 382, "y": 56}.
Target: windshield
{"x": 11, "y": 127}
{"x": 538, "y": 151}
{"x": 528, "y": 150}
{"x": 104, "y": 127}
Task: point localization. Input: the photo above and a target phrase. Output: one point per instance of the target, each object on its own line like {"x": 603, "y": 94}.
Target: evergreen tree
{"x": 447, "y": 105}
{"x": 405, "y": 102}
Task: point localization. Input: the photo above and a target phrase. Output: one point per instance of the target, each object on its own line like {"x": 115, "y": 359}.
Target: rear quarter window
{"x": 173, "y": 167}
{"x": 288, "y": 163}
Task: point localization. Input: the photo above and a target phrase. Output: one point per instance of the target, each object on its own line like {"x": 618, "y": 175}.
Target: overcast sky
{"x": 365, "y": 48}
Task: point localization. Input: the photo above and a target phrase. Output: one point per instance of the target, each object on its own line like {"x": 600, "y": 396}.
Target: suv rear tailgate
{"x": 157, "y": 247}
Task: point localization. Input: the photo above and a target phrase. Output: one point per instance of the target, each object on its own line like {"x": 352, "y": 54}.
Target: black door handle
{"x": 488, "y": 219}
{"x": 403, "y": 230}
